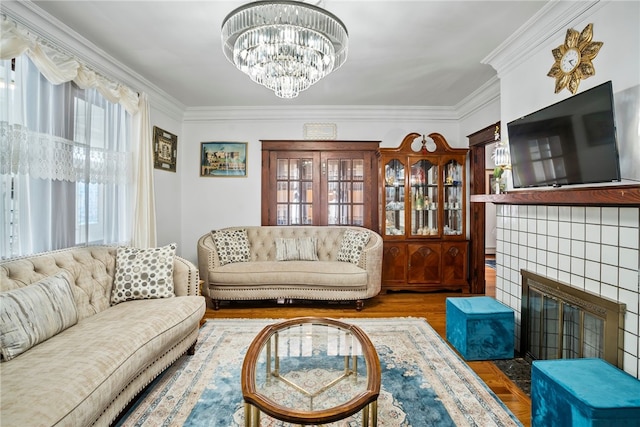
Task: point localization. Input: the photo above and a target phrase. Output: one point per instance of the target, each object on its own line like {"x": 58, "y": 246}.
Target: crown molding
{"x": 554, "y": 17}
{"x": 479, "y": 99}
{"x": 321, "y": 113}
{"x": 42, "y": 24}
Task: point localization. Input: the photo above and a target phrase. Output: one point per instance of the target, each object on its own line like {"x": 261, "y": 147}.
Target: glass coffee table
{"x": 311, "y": 370}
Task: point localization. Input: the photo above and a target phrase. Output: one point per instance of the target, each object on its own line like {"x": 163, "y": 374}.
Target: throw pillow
{"x": 301, "y": 248}
{"x": 143, "y": 273}
{"x": 231, "y": 245}
{"x": 35, "y": 313}
{"x": 352, "y": 245}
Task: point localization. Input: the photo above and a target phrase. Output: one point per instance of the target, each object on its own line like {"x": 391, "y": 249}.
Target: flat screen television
{"x": 570, "y": 142}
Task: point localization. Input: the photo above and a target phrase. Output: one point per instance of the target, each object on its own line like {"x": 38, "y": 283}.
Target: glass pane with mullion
{"x": 345, "y": 214}
{"x": 282, "y": 190}
{"x": 282, "y": 169}
{"x": 294, "y": 169}
{"x": 294, "y": 214}
{"x": 333, "y": 192}
{"x": 307, "y": 169}
{"x": 283, "y": 214}
{"x": 333, "y": 168}
{"x": 332, "y": 213}
{"x": 345, "y": 169}
{"x": 294, "y": 192}
{"x": 345, "y": 192}
{"x": 358, "y": 192}
{"x": 358, "y": 169}
{"x": 358, "y": 215}
{"x": 307, "y": 213}
{"x": 306, "y": 195}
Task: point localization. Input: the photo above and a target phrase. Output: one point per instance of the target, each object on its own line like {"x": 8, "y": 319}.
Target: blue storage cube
{"x": 480, "y": 328}
{"x": 583, "y": 392}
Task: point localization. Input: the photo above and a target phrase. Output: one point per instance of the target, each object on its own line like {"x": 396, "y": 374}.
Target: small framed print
{"x": 165, "y": 149}
{"x": 223, "y": 159}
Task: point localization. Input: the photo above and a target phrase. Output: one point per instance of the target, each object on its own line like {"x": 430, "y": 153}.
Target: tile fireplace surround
{"x": 592, "y": 248}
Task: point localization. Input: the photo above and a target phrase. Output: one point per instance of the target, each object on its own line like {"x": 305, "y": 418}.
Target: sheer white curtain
{"x": 66, "y": 170}
{"x": 69, "y": 165}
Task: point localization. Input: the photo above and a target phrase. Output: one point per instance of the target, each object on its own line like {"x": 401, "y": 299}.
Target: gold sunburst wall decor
{"x": 573, "y": 59}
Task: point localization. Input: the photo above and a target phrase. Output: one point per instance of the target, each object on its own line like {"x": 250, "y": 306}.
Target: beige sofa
{"x": 87, "y": 374}
{"x": 261, "y": 276}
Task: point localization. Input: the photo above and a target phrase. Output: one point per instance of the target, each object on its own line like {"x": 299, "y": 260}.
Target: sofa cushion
{"x": 62, "y": 381}
{"x": 353, "y": 243}
{"x": 143, "y": 273}
{"x": 311, "y": 273}
{"x": 231, "y": 245}
{"x": 35, "y": 313}
{"x": 300, "y": 248}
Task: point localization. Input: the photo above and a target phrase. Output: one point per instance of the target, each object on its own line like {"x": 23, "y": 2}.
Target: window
{"x": 65, "y": 174}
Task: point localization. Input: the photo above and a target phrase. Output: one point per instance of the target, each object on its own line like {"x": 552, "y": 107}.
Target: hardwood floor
{"x": 431, "y": 306}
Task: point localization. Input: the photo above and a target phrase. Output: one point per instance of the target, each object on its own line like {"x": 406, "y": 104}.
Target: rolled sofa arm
{"x": 186, "y": 277}
{"x": 371, "y": 260}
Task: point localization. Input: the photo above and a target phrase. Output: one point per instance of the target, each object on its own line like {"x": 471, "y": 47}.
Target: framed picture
{"x": 165, "y": 149}
{"x": 490, "y": 182}
{"x": 223, "y": 159}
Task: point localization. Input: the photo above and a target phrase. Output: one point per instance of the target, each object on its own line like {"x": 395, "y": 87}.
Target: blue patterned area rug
{"x": 424, "y": 382}
{"x": 491, "y": 263}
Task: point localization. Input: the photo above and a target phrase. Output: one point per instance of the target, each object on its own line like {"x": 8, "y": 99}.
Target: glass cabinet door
{"x": 345, "y": 191}
{"x": 453, "y": 203}
{"x": 424, "y": 198}
{"x": 294, "y": 200}
{"x": 394, "y": 198}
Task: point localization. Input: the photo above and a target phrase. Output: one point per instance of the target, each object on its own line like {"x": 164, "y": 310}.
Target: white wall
{"x": 591, "y": 248}
{"x": 167, "y": 186}
{"x": 210, "y": 203}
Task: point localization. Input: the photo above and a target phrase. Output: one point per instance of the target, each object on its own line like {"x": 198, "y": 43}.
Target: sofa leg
{"x": 359, "y": 305}
{"x": 192, "y": 350}
{"x": 216, "y": 304}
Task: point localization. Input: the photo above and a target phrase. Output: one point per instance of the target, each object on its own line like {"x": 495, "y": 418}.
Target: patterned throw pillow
{"x": 301, "y": 248}
{"x": 35, "y": 313}
{"x": 143, "y": 273}
{"x": 231, "y": 245}
{"x": 353, "y": 243}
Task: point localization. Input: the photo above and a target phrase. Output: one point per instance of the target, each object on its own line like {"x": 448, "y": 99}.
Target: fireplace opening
{"x": 562, "y": 322}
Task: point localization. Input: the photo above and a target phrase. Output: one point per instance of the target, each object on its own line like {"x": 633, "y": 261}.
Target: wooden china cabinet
{"x": 320, "y": 183}
{"x": 423, "y": 215}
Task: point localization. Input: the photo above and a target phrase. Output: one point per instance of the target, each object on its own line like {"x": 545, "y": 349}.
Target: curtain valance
{"x": 59, "y": 67}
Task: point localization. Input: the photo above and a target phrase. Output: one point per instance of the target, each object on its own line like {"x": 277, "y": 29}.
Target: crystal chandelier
{"x": 285, "y": 46}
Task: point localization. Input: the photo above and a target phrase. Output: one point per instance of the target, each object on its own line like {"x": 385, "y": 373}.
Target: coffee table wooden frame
{"x": 366, "y": 401}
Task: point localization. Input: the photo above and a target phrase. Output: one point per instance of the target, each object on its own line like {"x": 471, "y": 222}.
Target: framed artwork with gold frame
{"x": 223, "y": 159}
{"x": 165, "y": 149}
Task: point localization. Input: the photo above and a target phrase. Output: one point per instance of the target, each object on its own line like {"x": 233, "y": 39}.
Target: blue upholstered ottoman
{"x": 583, "y": 392}
{"x": 480, "y": 328}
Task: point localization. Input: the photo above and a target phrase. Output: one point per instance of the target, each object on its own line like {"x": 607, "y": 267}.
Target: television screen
{"x": 570, "y": 142}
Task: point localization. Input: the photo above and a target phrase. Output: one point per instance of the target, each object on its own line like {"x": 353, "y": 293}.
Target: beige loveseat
{"x": 88, "y": 373}
{"x": 261, "y": 276}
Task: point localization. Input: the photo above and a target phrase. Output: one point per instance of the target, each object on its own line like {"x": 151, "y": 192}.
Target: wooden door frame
{"x": 477, "y": 165}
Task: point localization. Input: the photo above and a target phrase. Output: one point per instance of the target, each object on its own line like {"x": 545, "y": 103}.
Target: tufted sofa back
{"x": 262, "y": 244}
{"x": 92, "y": 269}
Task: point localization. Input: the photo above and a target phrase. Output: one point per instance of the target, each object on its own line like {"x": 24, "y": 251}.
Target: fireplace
{"x": 562, "y": 322}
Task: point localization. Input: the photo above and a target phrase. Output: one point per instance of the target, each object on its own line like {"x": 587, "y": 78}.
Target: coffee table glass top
{"x": 311, "y": 370}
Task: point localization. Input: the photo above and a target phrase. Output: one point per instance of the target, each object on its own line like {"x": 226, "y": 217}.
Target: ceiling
{"x": 401, "y": 53}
